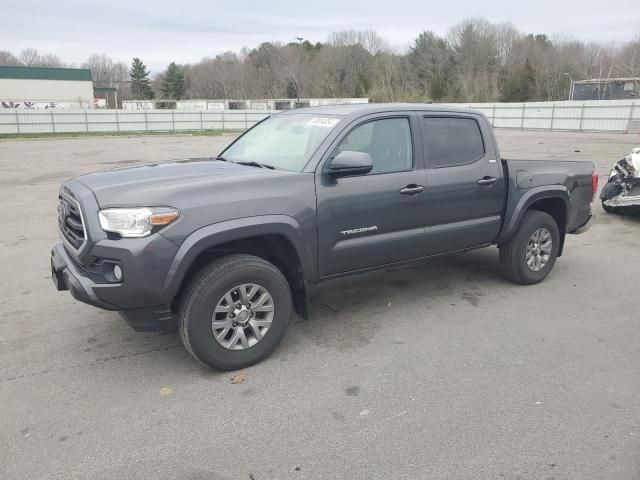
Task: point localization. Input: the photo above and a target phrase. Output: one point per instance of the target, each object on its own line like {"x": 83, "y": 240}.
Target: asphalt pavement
{"x": 442, "y": 370}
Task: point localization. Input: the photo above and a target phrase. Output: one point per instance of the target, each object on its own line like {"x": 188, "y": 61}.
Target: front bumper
{"x": 147, "y": 315}
{"x": 620, "y": 201}
{"x": 67, "y": 275}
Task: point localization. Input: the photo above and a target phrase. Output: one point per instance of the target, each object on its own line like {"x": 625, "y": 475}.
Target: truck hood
{"x": 205, "y": 192}
{"x": 164, "y": 183}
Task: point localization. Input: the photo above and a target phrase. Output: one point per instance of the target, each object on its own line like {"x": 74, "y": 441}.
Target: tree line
{"x": 476, "y": 61}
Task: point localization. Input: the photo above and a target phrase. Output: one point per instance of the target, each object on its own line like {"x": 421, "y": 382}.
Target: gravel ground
{"x": 441, "y": 370}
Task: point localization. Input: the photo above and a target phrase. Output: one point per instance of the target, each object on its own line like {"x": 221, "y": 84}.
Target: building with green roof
{"x": 39, "y": 87}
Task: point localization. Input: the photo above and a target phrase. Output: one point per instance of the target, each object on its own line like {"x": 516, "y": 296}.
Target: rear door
{"x": 377, "y": 218}
{"x": 465, "y": 186}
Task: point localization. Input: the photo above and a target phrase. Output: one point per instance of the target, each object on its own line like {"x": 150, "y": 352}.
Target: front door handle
{"x": 487, "y": 180}
{"x": 412, "y": 189}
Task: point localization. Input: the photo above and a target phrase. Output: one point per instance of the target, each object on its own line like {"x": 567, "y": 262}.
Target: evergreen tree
{"x": 140, "y": 84}
{"x": 520, "y": 86}
{"x": 433, "y": 62}
{"x": 292, "y": 91}
{"x": 173, "y": 82}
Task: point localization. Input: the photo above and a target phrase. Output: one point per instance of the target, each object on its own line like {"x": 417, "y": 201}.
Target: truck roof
{"x": 368, "y": 108}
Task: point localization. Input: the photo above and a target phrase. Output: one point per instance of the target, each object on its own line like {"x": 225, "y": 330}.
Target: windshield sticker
{"x": 323, "y": 122}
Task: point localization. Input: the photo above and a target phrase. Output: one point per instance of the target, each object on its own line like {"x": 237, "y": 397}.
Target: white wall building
{"x": 37, "y": 87}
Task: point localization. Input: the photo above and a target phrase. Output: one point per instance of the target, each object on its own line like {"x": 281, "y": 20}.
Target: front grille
{"x": 70, "y": 221}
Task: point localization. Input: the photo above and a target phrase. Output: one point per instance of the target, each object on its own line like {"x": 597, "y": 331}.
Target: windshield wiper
{"x": 256, "y": 164}
{"x": 221, "y": 158}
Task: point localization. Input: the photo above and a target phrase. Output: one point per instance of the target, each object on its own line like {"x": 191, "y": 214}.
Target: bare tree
{"x": 477, "y": 57}
{"x": 370, "y": 40}
{"x": 391, "y": 81}
{"x": 50, "y": 60}
{"x": 29, "y": 56}
{"x": 628, "y": 61}
{"x": 9, "y": 59}
{"x": 106, "y": 72}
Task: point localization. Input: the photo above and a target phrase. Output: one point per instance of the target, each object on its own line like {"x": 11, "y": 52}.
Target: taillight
{"x": 594, "y": 185}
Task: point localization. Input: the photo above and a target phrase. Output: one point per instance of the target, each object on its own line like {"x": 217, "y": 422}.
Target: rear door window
{"x": 451, "y": 141}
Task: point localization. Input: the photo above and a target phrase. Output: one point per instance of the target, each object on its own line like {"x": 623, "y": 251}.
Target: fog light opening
{"x": 117, "y": 272}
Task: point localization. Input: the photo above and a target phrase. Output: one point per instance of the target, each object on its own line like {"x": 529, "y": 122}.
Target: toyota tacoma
{"x": 225, "y": 249}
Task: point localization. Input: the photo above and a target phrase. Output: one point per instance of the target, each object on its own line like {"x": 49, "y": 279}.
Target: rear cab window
{"x": 452, "y": 141}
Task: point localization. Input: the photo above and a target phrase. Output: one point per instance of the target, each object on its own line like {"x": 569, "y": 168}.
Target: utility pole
{"x": 299, "y": 39}
{"x": 571, "y": 87}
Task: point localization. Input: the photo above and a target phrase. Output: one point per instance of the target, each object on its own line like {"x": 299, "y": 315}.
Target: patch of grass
{"x": 193, "y": 133}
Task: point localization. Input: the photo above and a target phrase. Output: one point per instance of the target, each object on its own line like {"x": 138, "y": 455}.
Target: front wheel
{"x": 235, "y": 312}
{"x": 529, "y": 255}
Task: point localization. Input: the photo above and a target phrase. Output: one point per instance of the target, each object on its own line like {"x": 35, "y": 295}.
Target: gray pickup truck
{"x": 225, "y": 249}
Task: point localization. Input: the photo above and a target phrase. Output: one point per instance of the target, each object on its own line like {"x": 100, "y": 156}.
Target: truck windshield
{"x": 284, "y": 141}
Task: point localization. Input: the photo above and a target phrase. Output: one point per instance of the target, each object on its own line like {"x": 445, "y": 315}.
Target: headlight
{"x": 136, "y": 222}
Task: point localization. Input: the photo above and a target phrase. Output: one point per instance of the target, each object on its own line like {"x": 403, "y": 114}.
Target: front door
{"x": 377, "y": 218}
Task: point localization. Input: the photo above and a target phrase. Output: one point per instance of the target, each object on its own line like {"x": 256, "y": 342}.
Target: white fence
{"x": 588, "y": 116}
{"x": 246, "y": 104}
{"x": 593, "y": 116}
{"x": 15, "y": 121}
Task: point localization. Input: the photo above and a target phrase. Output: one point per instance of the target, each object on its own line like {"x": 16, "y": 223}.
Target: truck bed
{"x": 569, "y": 179}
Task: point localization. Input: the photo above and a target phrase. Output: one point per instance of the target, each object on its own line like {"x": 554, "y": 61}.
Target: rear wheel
{"x": 530, "y": 254}
{"x": 235, "y": 312}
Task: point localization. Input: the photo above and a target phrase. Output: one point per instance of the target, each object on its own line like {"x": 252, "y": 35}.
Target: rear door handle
{"x": 487, "y": 180}
{"x": 412, "y": 189}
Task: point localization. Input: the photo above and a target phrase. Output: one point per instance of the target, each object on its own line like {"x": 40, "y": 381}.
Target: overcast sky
{"x": 162, "y": 31}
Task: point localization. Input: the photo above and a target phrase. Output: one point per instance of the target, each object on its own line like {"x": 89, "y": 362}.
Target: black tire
{"x": 204, "y": 292}
{"x": 513, "y": 252}
{"x": 609, "y": 209}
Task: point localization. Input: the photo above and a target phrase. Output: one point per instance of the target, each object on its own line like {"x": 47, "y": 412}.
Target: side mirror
{"x": 348, "y": 163}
